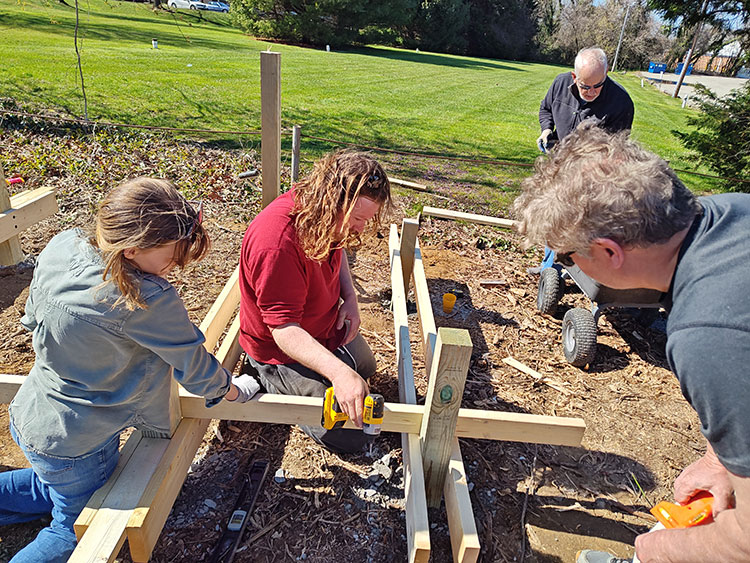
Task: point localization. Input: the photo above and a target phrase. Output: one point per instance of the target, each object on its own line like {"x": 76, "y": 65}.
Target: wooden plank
{"x": 221, "y": 311}
{"x": 461, "y": 524}
{"x": 86, "y": 516}
{"x": 557, "y": 385}
{"x": 146, "y": 523}
{"x": 26, "y": 209}
{"x": 270, "y": 144}
{"x": 10, "y": 250}
{"x": 445, "y": 390}
{"x": 469, "y": 217}
{"x": 424, "y": 308}
{"x": 417, "y": 521}
{"x": 399, "y": 417}
{"x": 409, "y": 228}
{"x": 106, "y": 531}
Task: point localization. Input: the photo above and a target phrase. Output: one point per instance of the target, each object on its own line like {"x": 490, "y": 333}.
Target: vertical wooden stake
{"x": 270, "y": 144}
{"x": 10, "y": 250}
{"x": 444, "y": 392}
{"x": 409, "y": 228}
{"x": 296, "y": 134}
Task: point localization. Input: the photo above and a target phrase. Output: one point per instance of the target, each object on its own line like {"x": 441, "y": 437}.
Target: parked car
{"x": 223, "y": 6}
{"x": 208, "y": 5}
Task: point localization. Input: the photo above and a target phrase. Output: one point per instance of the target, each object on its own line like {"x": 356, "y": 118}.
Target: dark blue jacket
{"x": 562, "y": 109}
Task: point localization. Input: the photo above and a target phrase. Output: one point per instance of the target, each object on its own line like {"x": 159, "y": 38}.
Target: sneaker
{"x": 590, "y": 556}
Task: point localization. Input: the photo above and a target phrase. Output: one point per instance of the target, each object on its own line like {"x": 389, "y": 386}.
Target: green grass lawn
{"x": 205, "y": 74}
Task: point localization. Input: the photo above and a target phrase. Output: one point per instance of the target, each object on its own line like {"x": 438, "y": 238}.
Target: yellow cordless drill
{"x": 372, "y": 417}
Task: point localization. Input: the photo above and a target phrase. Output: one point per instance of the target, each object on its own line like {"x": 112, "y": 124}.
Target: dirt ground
{"x": 531, "y": 502}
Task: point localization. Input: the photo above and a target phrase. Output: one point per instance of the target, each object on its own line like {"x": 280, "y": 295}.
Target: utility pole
{"x": 689, "y": 54}
{"x": 622, "y": 32}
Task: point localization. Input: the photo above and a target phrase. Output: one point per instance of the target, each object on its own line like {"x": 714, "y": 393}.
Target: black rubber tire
{"x": 549, "y": 292}
{"x": 193, "y": 7}
{"x": 579, "y": 337}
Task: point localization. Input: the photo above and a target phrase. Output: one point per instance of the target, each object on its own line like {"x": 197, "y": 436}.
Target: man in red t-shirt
{"x": 299, "y": 318}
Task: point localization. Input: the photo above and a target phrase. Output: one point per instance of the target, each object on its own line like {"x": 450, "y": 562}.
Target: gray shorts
{"x": 296, "y": 379}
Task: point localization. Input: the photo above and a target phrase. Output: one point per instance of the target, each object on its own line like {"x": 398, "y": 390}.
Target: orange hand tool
{"x": 697, "y": 511}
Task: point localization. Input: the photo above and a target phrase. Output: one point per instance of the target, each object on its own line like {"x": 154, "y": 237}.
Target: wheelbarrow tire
{"x": 549, "y": 292}
{"x": 579, "y": 337}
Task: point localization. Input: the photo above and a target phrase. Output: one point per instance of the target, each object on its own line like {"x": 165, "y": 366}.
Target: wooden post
{"x": 296, "y": 134}
{"x": 444, "y": 392}
{"x": 409, "y": 228}
{"x": 10, "y": 250}
{"x": 270, "y": 144}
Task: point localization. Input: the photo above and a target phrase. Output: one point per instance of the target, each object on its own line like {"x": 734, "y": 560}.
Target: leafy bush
{"x": 722, "y": 137}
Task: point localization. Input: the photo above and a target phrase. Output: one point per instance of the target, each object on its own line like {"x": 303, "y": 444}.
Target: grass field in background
{"x": 205, "y": 74}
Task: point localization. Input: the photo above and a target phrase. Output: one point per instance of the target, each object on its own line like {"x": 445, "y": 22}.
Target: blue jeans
{"x": 58, "y": 485}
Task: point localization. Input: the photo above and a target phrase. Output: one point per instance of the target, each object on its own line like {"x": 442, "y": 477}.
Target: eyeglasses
{"x": 566, "y": 258}
{"x": 594, "y": 87}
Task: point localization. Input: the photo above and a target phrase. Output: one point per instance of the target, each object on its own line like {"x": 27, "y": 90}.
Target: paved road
{"x": 721, "y": 85}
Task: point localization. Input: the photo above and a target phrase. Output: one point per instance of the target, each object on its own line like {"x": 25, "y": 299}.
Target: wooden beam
{"x": 292, "y": 409}
{"x": 86, "y": 516}
{"x": 270, "y": 144}
{"x": 461, "y": 524}
{"x": 469, "y": 217}
{"x": 417, "y": 521}
{"x": 105, "y": 534}
{"x": 221, "y": 311}
{"x": 10, "y": 250}
{"x": 409, "y": 228}
{"x": 25, "y": 210}
{"x": 445, "y": 390}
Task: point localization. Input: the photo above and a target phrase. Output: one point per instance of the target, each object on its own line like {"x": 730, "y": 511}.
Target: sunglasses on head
{"x": 565, "y": 258}
{"x": 594, "y": 87}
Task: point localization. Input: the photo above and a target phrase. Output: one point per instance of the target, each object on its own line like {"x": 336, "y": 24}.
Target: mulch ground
{"x": 531, "y": 502}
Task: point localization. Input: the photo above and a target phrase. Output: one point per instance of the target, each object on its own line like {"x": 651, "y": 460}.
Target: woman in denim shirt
{"x": 107, "y": 330}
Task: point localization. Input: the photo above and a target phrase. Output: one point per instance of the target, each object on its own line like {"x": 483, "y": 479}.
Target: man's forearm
{"x": 299, "y": 345}
{"x": 724, "y": 540}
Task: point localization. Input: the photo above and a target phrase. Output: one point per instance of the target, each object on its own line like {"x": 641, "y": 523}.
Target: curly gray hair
{"x": 599, "y": 185}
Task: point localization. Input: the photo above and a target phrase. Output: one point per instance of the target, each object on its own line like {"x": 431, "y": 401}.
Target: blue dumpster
{"x": 657, "y": 67}
{"x": 678, "y": 70}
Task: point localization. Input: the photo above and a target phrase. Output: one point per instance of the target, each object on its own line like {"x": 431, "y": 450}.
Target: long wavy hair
{"x": 144, "y": 213}
{"x": 324, "y": 200}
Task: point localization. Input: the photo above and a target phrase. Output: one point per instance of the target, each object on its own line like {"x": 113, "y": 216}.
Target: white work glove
{"x": 541, "y": 142}
{"x": 247, "y": 386}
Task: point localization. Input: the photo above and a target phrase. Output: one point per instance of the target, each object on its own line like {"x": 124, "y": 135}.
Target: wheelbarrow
{"x": 579, "y": 325}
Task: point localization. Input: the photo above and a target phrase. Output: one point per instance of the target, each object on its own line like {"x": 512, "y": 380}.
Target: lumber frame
{"x": 469, "y": 217}
{"x": 461, "y": 524}
{"x": 417, "y": 521}
{"x": 270, "y": 137}
{"x": 26, "y": 209}
{"x": 18, "y": 213}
